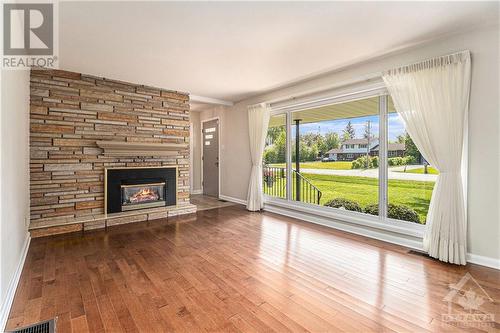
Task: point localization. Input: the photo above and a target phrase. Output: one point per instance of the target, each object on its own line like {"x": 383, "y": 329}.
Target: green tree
{"x": 280, "y": 147}
{"x": 410, "y": 148}
{"x": 307, "y": 153}
{"x": 348, "y": 132}
{"x": 332, "y": 141}
{"x": 310, "y": 138}
{"x": 401, "y": 138}
{"x": 269, "y": 155}
{"x": 321, "y": 144}
{"x": 274, "y": 132}
{"x": 275, "y": 149}
{"x": 315, "y": 141}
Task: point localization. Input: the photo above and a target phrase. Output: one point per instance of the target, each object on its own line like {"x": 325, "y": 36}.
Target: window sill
{"x": 364, "y": 220}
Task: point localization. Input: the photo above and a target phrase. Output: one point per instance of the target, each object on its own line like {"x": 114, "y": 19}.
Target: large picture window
{"x": 353, "y": 155}
{"x": 335, "y": 155}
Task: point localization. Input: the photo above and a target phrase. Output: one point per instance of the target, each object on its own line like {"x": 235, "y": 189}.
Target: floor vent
{"x": 48, "y": 326}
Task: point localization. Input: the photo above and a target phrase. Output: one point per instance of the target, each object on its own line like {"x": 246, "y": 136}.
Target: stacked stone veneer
{"x": 70, "y": 112}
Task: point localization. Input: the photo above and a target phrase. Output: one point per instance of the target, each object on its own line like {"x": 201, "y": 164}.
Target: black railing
{"x": 308, "y": 193}
{"x": 274, "y": 184}
{"x": 274, "y": 181}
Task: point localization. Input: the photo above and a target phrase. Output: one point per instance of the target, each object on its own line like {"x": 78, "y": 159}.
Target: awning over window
{"x": 345, "y": 110}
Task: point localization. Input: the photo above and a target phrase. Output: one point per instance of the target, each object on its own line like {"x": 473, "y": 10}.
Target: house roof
{"x": 356, "y": 141}
{"x": 359, "y": 141}
{"x": 391, "y": 147}
{"x": 335, "y": 151}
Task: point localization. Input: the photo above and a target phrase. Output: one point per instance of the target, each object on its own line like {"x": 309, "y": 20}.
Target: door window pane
{"x": 335, "y": 155}
{"x": 410, "y": 178}
{"x": 274, "y": 159}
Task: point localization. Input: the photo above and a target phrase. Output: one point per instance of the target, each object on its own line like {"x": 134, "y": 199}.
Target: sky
{"x": 395, "y": 126}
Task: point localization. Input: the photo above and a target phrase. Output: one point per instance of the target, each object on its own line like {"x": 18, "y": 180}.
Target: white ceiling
{"x": 232, "y": 50}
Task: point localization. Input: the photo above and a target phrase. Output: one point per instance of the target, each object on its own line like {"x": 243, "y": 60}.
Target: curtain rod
{"x": 430, "y": 62}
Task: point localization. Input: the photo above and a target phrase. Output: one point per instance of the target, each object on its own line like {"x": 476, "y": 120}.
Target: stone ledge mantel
{"x": 121, "y": 148}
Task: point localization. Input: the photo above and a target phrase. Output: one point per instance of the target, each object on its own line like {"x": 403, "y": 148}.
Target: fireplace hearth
{"x": 129, "y": 189}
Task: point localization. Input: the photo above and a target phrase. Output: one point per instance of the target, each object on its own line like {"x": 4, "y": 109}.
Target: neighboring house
{"x": 393, "y": 150}
{"x": 333, "y": 154}
{"x": 354, "y": 148}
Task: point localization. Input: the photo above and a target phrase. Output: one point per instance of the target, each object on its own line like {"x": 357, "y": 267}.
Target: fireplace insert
{"x": 138, "y": 188}
{"x": 139, "y": 196}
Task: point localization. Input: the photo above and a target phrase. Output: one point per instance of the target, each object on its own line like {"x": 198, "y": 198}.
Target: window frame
{"x": 381, "y": 221}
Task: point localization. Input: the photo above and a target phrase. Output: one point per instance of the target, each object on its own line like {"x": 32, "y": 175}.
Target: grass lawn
{"x": 430, "y": 170}
{"x": 319, "y": 165}
{"x": 364, "y": 190}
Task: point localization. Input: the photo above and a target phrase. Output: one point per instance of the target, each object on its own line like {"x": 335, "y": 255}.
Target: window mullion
{"x": 288, "y": 156}
{"x": 383, "y": 174}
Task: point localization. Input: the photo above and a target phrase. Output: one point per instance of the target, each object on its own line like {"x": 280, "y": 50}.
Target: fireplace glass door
{"x": 140, "y": 196}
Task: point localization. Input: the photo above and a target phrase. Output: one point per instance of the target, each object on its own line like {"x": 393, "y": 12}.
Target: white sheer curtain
{"x": 258, "y": 122}
{"x": 432, "y": 97}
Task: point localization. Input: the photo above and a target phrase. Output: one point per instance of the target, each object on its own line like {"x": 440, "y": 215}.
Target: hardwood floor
{"x": 231, "y": 270}
{"x": 204, "y": 202}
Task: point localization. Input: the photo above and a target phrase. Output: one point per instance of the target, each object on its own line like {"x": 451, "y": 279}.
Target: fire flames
{"x": 144, "y": 194}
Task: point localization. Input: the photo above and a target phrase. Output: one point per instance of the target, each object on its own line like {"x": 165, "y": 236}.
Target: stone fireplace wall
{"x": 70, "y": 112}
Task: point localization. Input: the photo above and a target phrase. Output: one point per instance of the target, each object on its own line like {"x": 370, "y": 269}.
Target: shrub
{"x": 397, "y": 212}
{"x": 408, "y": 160}
{"x": 360, "y": 163}
{"x": 355, "y": 164}
{"x": 395, "y": 161}
{"x": 375, "y": 161}
{"x": 401, "y": 212}
{"x": 371, "y": 209}
{"x": 344, "y": 204}
{"x": 270, "y": 155}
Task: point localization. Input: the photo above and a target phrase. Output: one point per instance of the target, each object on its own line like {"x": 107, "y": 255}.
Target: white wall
{"x": 194, "y": 120}
{"x": 234, "y": 150}
{"x": 484, "y": 155}
{"x": 14, "y": 181}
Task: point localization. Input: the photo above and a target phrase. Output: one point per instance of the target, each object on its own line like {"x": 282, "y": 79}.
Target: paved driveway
{"x": 373, "y": 173}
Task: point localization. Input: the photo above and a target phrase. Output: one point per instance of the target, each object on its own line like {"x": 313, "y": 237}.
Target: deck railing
{"x": 274, "y": 184}
{"x": 308, "y": 193}
{"x": 274, "y": 181}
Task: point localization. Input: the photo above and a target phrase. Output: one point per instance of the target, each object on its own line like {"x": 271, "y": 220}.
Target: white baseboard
{"x": 483, "y": 261}
{"x": 199, "y": 191}
{"x": 233, "y": 199}
{"x": 14, "y": 281}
